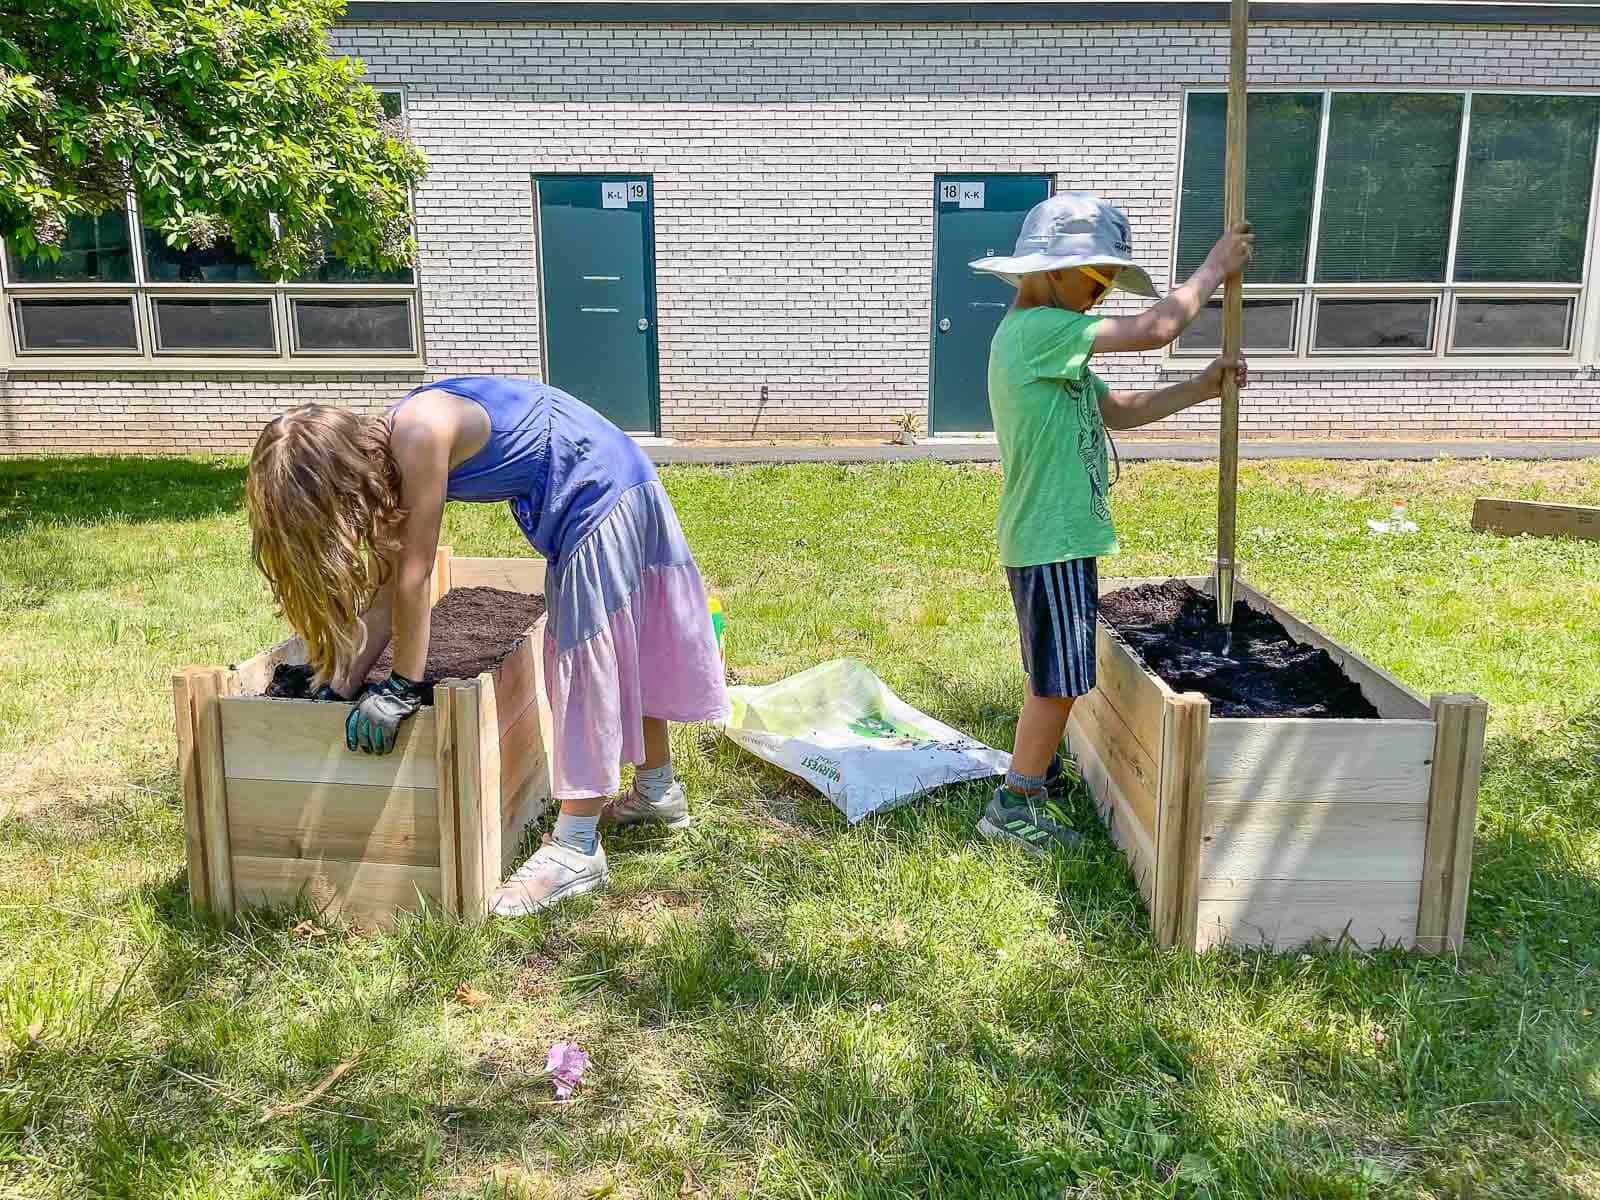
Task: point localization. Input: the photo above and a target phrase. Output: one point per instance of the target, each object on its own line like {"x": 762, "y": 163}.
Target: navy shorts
{"x": 1057, "y": 604}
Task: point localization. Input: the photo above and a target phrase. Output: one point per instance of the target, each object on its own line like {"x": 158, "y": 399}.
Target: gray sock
{"x": 652, "y": 782}
{"x": 577, "y": 833}
{"x": 1024, "y": 785}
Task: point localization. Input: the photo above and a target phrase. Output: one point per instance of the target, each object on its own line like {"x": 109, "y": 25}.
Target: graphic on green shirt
{"x": 1055, "y": 503}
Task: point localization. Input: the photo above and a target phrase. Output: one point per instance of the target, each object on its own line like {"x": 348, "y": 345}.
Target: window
{"x": 118, "y": 289}
{"x": 1399, "y": 223}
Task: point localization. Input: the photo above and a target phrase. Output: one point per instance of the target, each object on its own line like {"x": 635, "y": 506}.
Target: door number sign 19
{"x": 964, "y": 195}
{"x": 619, "y": 193}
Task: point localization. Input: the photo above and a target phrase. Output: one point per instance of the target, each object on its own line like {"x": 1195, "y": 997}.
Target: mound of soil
{"x": 473, "y": 630}
{"x": 1265, "y": 673}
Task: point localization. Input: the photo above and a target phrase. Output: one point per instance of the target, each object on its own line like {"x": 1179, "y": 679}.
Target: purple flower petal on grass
{"x": 565, "y": 1064}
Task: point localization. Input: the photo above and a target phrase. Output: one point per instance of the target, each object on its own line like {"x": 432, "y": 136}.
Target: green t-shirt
{"x": 1046, "y": 404}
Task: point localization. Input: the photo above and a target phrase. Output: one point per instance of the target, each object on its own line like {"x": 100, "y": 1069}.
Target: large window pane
{"x": 353, "y": 326}
{"x": 1268, "y": 325}
{"x": 1507, "y": 323}
{"x": 205, "y": 324}
{"x": 1281, "y": 166}
{"x": 1395, "y": 325}
{"x": 336, "y": 270}
{"x": 221, "y": 263}
{"x": 76, "y": 325}
{"x": 96, "y": 250}
{"x": 1525, "y": 199}
{"x": 1388, "y": 187}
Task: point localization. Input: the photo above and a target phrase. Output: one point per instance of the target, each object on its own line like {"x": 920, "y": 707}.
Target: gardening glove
{"x": 374, "y": 724}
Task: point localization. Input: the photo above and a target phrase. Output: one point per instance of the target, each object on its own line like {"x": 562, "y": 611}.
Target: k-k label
{"x": 964, "y": 195}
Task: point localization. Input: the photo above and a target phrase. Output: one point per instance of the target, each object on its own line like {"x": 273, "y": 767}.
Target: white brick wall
{"x": 793, "y": 174}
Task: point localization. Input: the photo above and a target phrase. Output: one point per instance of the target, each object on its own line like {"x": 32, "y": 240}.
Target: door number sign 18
{"x": 620, "y": 193}
{"x": 964, "y": 195}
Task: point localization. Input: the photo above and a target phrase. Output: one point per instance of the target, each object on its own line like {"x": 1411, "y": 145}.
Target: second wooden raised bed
{"x": 276, "y": 808}
{"x": 1278, "y": 831}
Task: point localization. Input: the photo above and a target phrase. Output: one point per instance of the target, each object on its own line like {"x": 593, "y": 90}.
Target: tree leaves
{"x": 209, "y": 107}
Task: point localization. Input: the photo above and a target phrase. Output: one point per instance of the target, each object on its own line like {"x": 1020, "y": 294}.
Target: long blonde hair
{"x": 323, "y": 493}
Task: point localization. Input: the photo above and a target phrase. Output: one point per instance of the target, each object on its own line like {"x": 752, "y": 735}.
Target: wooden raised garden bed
{"x": 276, "y": 807}
{"x": 1278, "y": 831}
{"x": 1491, "y": 514}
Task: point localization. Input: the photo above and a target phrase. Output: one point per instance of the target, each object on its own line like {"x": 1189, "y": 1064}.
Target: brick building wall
{"x": 793, "y": 171}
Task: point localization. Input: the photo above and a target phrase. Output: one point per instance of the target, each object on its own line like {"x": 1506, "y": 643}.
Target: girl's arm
{"x": 1162, "y": 323}
{"x": 1129, "y": 410}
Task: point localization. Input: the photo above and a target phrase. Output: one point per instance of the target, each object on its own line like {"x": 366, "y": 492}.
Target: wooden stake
{"x": 1452, "y": 817}
{"x": 1232, "y": 317}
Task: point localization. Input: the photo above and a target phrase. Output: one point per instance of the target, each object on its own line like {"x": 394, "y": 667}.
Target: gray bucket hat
{"x": 1072, "y": 229}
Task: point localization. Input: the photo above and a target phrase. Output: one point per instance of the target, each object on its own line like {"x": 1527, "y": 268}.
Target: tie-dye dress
{"x": 629, "y": 633}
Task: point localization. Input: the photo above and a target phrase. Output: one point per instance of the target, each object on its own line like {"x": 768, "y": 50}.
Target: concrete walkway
{"x": 1131, "y": 451}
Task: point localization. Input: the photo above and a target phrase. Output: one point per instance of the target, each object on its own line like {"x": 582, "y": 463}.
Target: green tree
{"x": 227, "y": 121}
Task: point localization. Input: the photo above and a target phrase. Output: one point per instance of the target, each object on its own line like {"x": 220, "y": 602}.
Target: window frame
{"x": 142, "y": 294}
{"x": 1583, "y": 343}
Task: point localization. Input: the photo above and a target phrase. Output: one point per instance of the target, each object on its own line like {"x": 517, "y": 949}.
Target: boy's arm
{"x": 1129, "y": 410}
{"x": 1162, "y": 323}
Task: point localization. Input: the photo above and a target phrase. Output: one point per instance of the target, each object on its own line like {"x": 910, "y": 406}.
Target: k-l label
{"x": 623, "y": 192}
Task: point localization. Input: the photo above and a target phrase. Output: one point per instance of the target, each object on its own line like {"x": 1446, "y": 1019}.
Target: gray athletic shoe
{"x": 630, "y": 808}
{"x": 1008, "y": 818}
{"x": 554, "y": 873}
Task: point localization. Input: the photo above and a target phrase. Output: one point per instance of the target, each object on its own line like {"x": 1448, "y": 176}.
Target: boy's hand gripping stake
{"x": 1232, "y": 326}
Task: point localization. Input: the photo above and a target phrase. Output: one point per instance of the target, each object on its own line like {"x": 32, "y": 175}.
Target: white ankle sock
{"x": 576, "y": 833}
{"x": 653, "y": 783}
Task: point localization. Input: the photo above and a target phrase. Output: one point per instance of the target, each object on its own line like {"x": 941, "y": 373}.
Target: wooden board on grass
{"x": 1493, "y": 515}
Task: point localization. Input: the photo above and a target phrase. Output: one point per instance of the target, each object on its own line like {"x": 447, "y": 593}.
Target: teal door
{"x": 974, "y": 216}
{"x": 597, "y": 268}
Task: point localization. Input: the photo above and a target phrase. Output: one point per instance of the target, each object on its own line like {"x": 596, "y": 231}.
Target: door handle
{"x": 644, "y": 323}
{"x": 944, "y": 325}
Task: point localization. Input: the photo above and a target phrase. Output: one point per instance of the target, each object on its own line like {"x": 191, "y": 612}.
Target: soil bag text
{"x": 840, "y": 728}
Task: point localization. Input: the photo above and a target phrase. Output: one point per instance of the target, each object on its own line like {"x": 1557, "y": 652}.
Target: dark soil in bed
{"x": 1266, "y": 673}
{"x": 473, "y": 630}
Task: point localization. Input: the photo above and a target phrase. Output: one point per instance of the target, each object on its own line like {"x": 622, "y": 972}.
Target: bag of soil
{"x": 840, "y": 728}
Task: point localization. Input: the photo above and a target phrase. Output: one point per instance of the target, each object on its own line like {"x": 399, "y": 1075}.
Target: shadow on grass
{"x": 38, "y": 493}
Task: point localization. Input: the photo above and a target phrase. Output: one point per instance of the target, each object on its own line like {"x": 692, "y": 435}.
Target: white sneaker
{"x": 554, "y": 873}
{"x": 630, "y": 808}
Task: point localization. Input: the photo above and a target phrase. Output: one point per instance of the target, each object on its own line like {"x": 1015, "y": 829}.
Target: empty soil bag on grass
{"x": 840, "y": 728}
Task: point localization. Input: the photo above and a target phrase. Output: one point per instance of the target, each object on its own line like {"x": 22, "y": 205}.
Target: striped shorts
{"x": 1057, "y": 604}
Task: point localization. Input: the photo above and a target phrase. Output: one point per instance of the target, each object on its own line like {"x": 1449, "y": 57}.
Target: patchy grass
{"x": 779, "y": 1005}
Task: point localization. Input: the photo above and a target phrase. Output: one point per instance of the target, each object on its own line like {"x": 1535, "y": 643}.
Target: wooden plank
{"x": 349, "y": 822}
{"x": 1180, "y": 803}
{"x": 464, "y": 716}
{"x": 1392, "y": 698}
{"x": 366, "y": 892}
{"x": 1234, "y": 176}
{"x": 255, "y": 673}
{"x": 439, "y": 581}
{"x": 1113, "y": 807}
{"x": 1511, "y": 517}
{"x": 489, "y": 782}
{"x": 524, "y": 767}
{"x": 1133, "y": 768}
{"x": 445, "y": 797}
{"x": 207, "y": 686}
{"x": 1138, "y": 694}
{"x": 194, "y": 829}
{"x": 1285, "y": 914}
{"x": 304, "y": 741}
{"x": 1452, "y": 817}
{"x": 1290, "y": 760}
{"x": 1364, "y": 842}
{"x": 516, "y": 678}
{"x": 507, "y": 574}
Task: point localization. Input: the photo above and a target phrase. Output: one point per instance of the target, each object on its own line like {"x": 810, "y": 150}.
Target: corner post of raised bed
{"x": 1180, "y": 809}
{"x": 439, "y": 585}
{"x": 468, "y": 754}
{"x": 1459, "y": 725}
{"x": 196, "y": 691}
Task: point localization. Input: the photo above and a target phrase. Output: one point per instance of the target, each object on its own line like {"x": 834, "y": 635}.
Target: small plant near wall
{"x": 906, "y": 429}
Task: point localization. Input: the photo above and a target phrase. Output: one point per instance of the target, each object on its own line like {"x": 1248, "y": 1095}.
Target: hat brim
{"x": 1131, "y": 277}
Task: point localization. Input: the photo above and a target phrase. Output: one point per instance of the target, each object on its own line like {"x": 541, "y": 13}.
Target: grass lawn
{"x": 779, "y": 1005}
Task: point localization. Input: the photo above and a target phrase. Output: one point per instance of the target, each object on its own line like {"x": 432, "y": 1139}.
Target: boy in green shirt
{"x": 1050, "y": 417}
